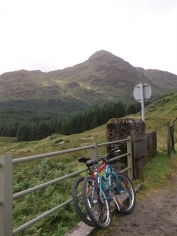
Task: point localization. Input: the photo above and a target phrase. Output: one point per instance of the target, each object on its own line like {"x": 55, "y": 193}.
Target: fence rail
{"x": 6, "y": 196}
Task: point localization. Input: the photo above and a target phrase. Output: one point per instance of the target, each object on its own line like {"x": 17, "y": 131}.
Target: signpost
{"x": 142, "y": 92}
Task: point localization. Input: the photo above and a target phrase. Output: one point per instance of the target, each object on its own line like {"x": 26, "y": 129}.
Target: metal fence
{"x": 170, "y": 138}
{"x": 7, "y": 196}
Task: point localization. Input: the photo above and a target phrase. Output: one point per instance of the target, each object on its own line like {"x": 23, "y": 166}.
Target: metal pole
{"x": 130, "y": 157}
{"x": 95, "y": 151}
{"x": 6, "y": 216}
{"x": 168, "y": 139}
{"x": 172, "y": 137}
{"x": 142, "y": 101}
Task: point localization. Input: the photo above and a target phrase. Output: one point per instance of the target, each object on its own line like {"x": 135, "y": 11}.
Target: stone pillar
{"x": 118, "y": 129}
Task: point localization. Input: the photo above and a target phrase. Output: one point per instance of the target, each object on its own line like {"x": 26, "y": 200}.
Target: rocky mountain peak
{"x": 103, "y": 55}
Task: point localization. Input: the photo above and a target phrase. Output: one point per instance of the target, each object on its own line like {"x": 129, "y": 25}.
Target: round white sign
{"x": 146, "y": 92}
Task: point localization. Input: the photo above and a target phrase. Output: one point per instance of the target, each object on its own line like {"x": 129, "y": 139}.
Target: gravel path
{"x": 157, "y": 215}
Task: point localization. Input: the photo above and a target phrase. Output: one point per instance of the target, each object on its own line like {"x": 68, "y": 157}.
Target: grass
{"x": 31, "y": 205}
{"x": 51, "y": 143}
{"x": 157, "y": 174}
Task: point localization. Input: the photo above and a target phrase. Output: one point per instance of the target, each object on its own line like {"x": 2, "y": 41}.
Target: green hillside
{"x": 157, "y": 115}
{"x": 103, "y": 77}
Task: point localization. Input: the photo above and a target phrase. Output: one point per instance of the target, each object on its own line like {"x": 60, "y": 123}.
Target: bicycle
{"x": 99, "y": 191}
{"x": 76, "y": 195}
{"x": 77, "y": 186}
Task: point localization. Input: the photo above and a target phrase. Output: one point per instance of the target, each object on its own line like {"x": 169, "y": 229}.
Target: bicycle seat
{"x": 83, "y": 159}
{"x": 91, "y": 163}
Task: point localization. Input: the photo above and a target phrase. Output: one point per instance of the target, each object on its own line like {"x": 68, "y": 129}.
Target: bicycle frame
{"x": 106, "y": 184}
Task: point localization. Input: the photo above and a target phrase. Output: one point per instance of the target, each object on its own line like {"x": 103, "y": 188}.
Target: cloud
{"x": 52, "y": 34}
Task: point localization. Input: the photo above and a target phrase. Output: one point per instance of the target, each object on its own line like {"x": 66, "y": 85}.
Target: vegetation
{"x": 27, "y": 208}
{"x": 28, "y": 126}
{"x": 26, "y": 175}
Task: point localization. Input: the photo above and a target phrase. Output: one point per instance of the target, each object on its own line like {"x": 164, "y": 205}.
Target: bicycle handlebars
{"x": 100, "y": 158}
{"x": 104, "y": 158}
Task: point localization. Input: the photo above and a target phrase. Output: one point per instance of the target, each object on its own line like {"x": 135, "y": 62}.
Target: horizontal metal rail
{"x": 31, "y": 158}
{"x": 118, "y": 157}
{"x": 114, "y": 142}
{"x": 173, "y": 122}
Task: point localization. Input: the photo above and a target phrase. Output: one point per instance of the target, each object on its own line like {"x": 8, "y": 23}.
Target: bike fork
{"x": 116, "y": 202}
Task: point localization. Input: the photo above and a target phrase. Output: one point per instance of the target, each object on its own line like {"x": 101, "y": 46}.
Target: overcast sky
{"x": 49, "y": 35}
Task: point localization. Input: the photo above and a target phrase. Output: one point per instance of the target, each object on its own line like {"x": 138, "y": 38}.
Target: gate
{"x": 170, "y": 139}
{"x": 6, "y": 195}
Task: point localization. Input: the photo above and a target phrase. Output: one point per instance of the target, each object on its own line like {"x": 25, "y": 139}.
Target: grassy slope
{"x": 160, "y": 169}
{"x": 52, "y": 143}
{"x": 158, "y": 114}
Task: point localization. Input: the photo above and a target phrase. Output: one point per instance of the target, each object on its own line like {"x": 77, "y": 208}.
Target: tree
{"x": 23, "y": 132}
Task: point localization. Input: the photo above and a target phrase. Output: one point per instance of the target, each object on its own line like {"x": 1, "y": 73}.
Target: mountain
{"x": 103, "y": 77}
{"x": 163, "y": 80}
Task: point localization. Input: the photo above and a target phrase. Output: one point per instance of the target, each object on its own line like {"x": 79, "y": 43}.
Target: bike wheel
{"x": 78, "y": 203}
{"x": 96, "y": 203}
{"x": 124, "y": 192}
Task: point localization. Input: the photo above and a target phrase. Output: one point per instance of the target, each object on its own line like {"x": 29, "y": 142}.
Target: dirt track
{"x": 156, "y": 215}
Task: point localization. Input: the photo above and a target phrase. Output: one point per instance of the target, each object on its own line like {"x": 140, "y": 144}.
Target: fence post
{"x": 130, "y": 157}
{"x": 95, "y": 151}
{"x": 6, "y": 225}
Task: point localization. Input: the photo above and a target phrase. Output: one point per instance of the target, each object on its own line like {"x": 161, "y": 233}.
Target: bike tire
{"x": 124, "y": 192}
{"x": 97, "y": 206}
{"x": 78, "y": 203}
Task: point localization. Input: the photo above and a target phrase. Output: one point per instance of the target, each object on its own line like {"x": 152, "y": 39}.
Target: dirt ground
{"x": 156, "y": 215}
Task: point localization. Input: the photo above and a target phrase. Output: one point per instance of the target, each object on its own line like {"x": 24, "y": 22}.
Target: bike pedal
{"x": 121, "y": 205}
{"x": 120, "y": 202}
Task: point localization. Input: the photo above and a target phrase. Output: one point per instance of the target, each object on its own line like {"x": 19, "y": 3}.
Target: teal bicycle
{"x": 99, "y": 192}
